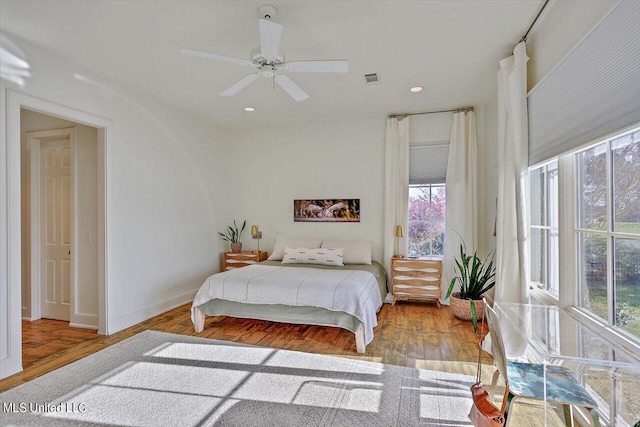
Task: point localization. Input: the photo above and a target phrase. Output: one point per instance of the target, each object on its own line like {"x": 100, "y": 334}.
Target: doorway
{"x": 12, "y": 221}
{"x": 59, "y": 230}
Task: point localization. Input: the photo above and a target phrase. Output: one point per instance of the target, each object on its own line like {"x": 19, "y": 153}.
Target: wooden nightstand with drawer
{"x": 416, "y": 279}
{"x": 231, "y": 260}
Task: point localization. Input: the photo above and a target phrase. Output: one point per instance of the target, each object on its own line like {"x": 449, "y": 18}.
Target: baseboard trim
{"x": 83, "y": 326}
{"x": 85, "y": 321}
{"x": 145, "y": 313}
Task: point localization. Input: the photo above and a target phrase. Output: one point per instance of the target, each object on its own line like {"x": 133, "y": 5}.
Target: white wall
{"x": 430, "y": 129}
{"x": 85, "y": 302}
{"x": 346, "y": 159}
{"x": 165, "y": 195}
{"x": 272, "y": 167}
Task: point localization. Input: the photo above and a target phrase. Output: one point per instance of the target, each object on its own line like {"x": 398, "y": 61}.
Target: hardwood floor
{"x": 409, "y": 334}
{"x": 46, "y": 337}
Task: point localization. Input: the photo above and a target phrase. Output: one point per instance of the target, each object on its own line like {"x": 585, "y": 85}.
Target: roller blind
{"x": 593, "y": 92}
{"x": 428, "y": 165}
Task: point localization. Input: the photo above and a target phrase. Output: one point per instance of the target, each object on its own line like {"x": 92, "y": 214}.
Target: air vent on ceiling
{"x": 371, "y": 78}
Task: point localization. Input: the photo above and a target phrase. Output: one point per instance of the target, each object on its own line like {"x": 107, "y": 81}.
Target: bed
{"x": 347, "y": 296}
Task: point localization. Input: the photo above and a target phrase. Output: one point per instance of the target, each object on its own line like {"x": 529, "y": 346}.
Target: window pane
{"x": 627, "y": 284}
{"x": 593, "y": 274}
{"x": 592, "y": 188}
{"x": 626, "y": 183}
{"x": 538, "y": 196}
{"x": 438, "y": 205}
{"x": 553, "y": 283}
{"x": 538, "y": 255}
{"x": 426, "y": 220}
{"x": 552, "y": 198}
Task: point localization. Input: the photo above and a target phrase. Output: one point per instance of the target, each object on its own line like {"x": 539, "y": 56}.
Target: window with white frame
{"x": 608, "y": 231}
{"x": 599, "y": 226}
{"x": 544, "y": 245}
{"x": 426, "y": 220}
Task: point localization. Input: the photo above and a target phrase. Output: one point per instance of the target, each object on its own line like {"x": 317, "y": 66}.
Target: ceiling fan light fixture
{"x": 416, "y": 89}
{"x": 249, "y": 109}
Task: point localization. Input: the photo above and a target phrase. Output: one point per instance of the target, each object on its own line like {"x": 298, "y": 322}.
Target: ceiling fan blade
{"x": 209, "y": 55}
{"x": 270, "y": 35}
{"x": 244, "y": 82}
{"x": 336, "y": 66}
{"x": 291, "y": 88}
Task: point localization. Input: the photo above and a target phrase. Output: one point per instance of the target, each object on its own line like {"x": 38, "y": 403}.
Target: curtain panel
{"x": 511, "y": 224}
{"x": 396, "y": 189}
{"x": 462, "y": 193}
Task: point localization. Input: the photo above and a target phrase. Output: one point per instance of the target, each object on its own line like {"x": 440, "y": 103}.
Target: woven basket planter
{"x": 461, "y": 308}
{"x": 236, "y": 247}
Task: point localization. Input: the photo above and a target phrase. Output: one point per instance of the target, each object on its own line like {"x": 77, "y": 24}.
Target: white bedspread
{"x": 351, "y": 291}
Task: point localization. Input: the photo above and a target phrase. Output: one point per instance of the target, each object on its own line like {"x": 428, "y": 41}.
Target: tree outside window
{"x": 608, "y": 231}
{"x": 426, "y": 223}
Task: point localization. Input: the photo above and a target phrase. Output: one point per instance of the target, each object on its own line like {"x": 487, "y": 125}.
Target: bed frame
{"x": 293, "y": 314}
{"x": 359, "y": 333}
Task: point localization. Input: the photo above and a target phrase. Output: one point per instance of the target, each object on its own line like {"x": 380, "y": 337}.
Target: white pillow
{"x": 313, "y": 256}
{"x": 292, "y": 242}
{"x": 355, "y": 251}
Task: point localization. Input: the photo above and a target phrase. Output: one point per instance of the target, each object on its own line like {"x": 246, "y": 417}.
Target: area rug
{"x": 160, "y": 379}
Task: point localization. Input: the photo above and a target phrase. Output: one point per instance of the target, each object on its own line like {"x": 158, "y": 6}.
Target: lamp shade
{"x": 254, "y": 229}
{"x": 399, "y": 232}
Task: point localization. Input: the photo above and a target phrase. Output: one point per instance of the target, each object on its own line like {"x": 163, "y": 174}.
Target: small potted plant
{"x": 233, "y": 234}
{"x": 475, "y": 277}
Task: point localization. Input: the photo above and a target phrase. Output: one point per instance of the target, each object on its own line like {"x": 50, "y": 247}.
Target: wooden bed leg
{"x": 361, "y": 347}
{"x": 199, "y": 317}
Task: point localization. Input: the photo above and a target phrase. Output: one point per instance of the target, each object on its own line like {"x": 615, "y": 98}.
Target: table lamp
{"x": 256, "y": 234}
{"x": 399, "y": 235}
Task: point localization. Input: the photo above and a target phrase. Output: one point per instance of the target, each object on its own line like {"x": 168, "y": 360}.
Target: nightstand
{"x": 231, "y": 260}
{"x": 416, "y": 279}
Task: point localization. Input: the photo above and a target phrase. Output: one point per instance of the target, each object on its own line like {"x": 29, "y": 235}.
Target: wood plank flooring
{"x": 408, "y": 334}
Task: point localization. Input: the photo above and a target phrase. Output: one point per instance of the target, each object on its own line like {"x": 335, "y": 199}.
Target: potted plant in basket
{"x": 475, "y": 277}
{"x": 233, "y": 234}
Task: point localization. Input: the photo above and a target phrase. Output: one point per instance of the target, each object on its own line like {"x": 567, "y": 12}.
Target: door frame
{"x": 10, "y": 229}
{"x": 35, "y": 140}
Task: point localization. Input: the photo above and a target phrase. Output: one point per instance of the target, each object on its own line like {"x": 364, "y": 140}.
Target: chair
{"x": 526, "y": 380}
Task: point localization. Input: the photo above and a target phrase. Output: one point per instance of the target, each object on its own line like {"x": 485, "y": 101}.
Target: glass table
{"x": 553, "y": 336}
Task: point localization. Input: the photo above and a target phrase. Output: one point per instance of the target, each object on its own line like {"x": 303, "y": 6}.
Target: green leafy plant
{"x": 474, "y": 276}
{"x": 233, "y": 234}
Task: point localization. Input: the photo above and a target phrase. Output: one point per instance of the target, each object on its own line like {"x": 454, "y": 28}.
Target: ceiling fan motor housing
{"x": 261, "y": 62}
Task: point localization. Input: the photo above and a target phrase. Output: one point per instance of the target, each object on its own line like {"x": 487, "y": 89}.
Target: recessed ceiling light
{"x": 249, "y": 109}
{"x": 416, "y": 89}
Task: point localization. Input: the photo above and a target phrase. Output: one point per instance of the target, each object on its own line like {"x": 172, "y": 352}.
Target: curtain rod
{"x": 453, "y": 110}
{"x": 524, "y": 37}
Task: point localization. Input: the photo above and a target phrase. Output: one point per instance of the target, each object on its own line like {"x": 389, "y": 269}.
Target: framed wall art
{"x": 326, "y": 210}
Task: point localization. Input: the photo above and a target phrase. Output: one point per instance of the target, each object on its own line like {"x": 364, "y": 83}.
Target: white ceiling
{"x": 450, "y": 47}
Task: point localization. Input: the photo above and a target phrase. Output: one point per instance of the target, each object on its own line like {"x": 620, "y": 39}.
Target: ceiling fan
{"x": 269, "y": 61}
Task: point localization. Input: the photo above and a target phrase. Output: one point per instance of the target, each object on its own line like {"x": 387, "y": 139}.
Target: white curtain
{"x": 396, "y": 188}
{"x": 511, "y": 225}
{"x": 462, "y": 193}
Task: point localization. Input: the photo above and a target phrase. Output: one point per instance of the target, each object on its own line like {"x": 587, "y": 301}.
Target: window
{"x": 426, "y": 220}
{"x": 608, "y": 231}
{"x": 544, "y": 255}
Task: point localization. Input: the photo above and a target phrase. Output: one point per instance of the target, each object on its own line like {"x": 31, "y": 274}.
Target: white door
{"x": 55, "y": 203}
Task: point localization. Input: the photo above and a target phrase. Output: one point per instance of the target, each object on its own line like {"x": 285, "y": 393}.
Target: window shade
{"x": 428, "y": 165}
{"x": 595, "y": 91}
